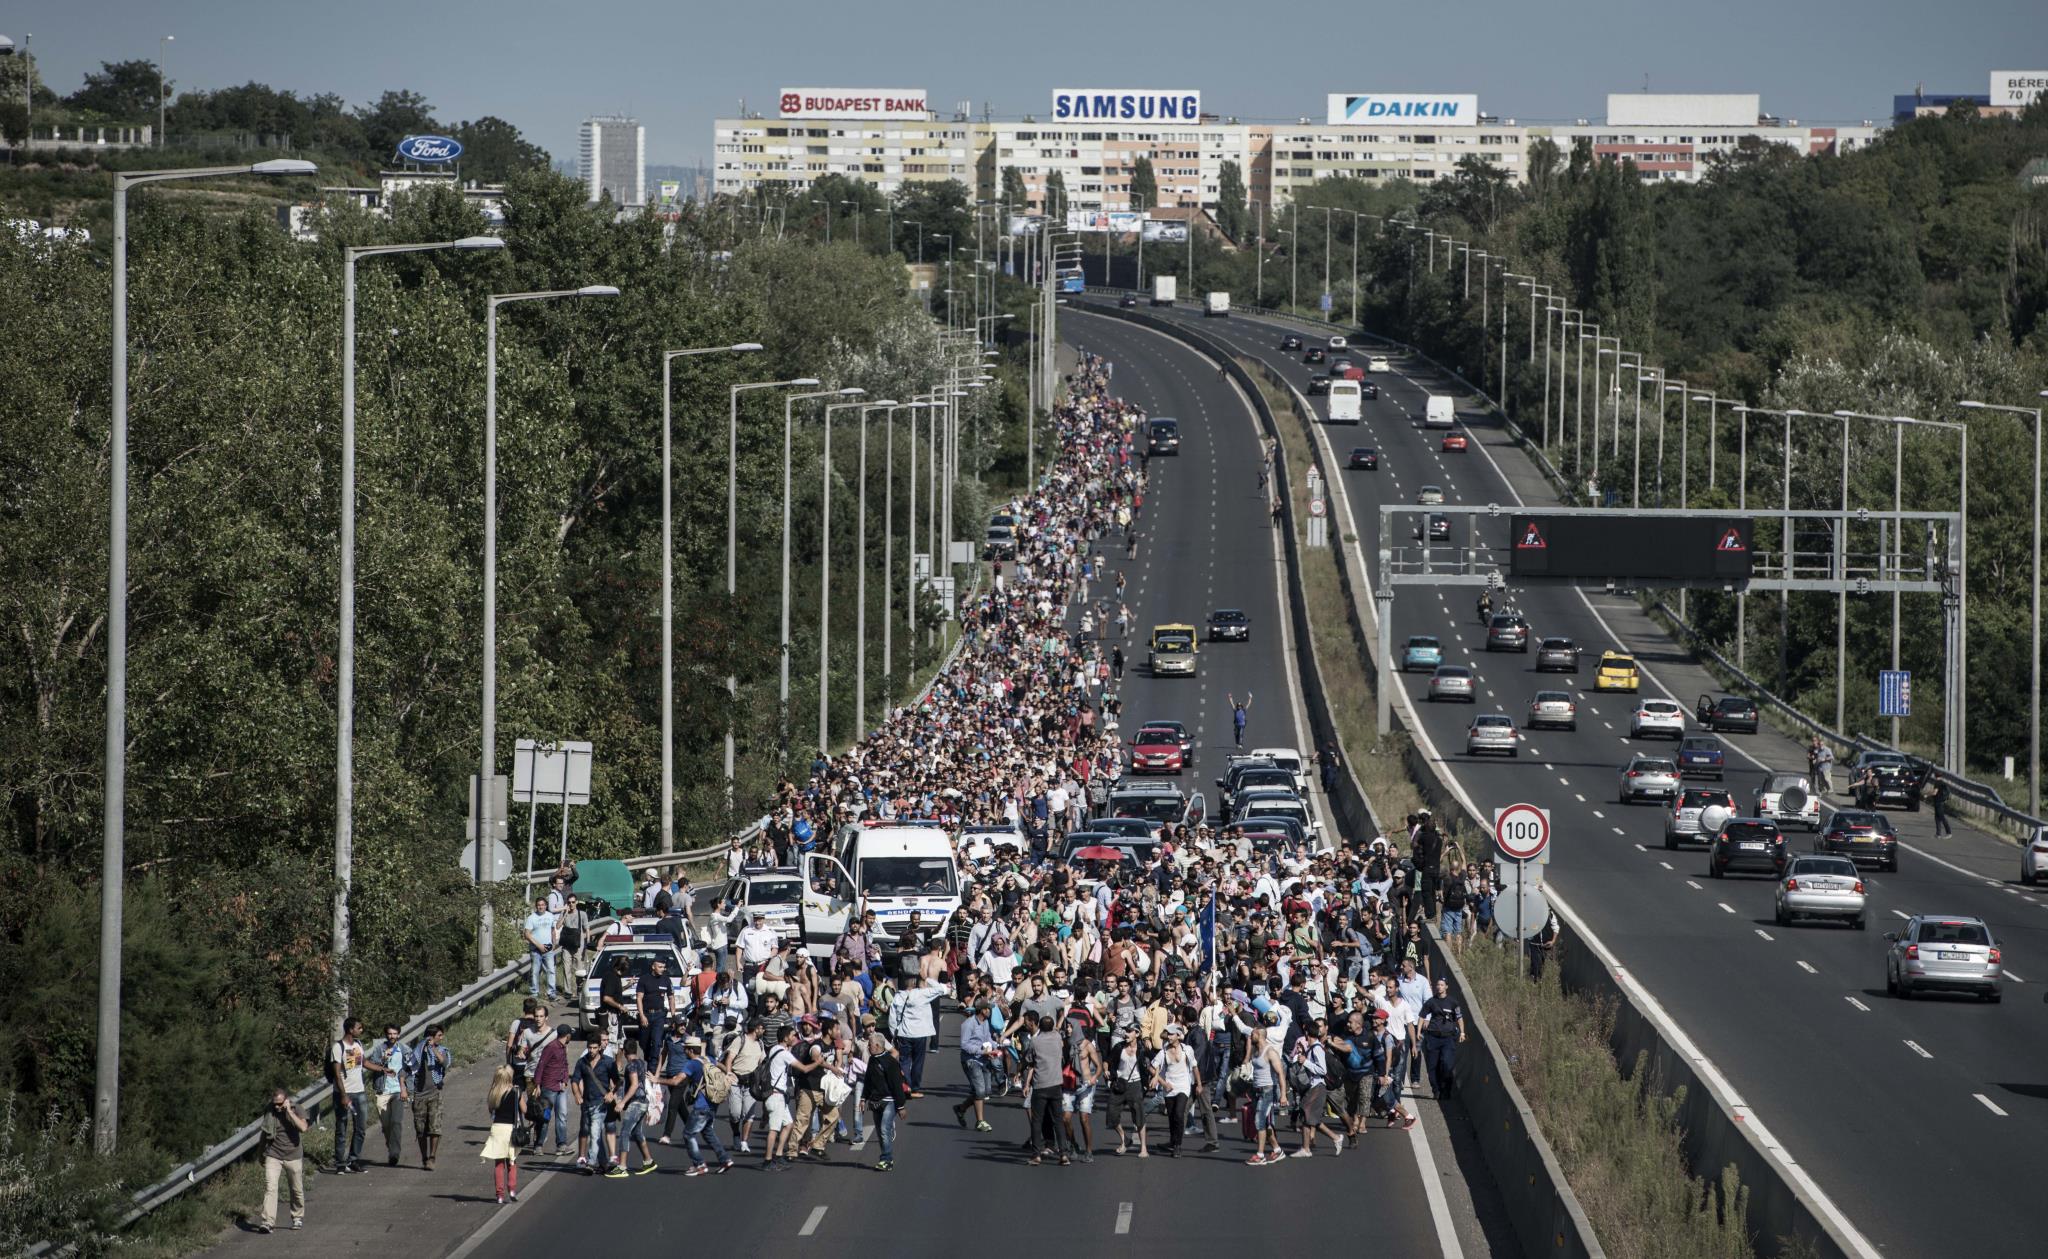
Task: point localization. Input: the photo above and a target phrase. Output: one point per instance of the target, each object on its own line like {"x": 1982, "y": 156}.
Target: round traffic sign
{"x": 1519, "y": 912}
{"x": 1521, "y": 831}
{"x": 1315, "y": 507}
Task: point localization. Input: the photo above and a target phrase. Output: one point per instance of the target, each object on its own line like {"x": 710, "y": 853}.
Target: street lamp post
{"x": 789, "y": 401}
{"x": 732, "y": 547}
{"x": 114, "y": 839}
{"x": 162, "y": 51}
{"x": 825, "y": 562}
{"x": 668, "y": 671}
{"x": 2033, "y": 655}
{"x": 345, "y": 639}
{"x": 889, "y": 540}
{"x": 485, "y": 823}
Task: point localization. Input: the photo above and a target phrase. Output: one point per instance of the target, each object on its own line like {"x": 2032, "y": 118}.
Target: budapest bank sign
{"x": 854, "y": 102}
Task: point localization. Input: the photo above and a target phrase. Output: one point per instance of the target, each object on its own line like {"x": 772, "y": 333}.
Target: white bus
{"x": 1346, "y": 406}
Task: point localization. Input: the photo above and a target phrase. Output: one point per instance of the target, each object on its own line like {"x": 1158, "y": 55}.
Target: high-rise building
{"x": 613, "y": 160}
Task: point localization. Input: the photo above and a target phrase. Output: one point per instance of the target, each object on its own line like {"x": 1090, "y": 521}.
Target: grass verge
{"x": 1616, "y": 1135}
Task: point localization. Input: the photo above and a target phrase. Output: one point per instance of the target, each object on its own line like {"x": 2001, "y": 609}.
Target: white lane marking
{"x": 811, "y": 1222}
{"x": 1989, "y": 1105}
{"x": 1433, "y": 1189}
{"x": 1808, "y": 968}
{"x": 1639, "y": 847}
{"x": 1619, "y": 831}
{"x": 1765, "y": 934}
{"x": 1602, "y": 816}
{"x": 1726, "y": 906}
{"x": 1858, "y": 1004}
{"x": 2015, "y": 978}
{"x": 1582, "y": 799}
{"x": 1123, "y": 1218}
{"x": 1665, "y": 864}
{"x": 1915, "y": 1047}
{"x": 538, "y": 1185}
{"x": 1694, "y": 886}
{"x": 1903, "y": 914}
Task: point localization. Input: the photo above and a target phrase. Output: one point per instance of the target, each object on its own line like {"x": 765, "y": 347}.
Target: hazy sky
{"x": 677, "y": 65}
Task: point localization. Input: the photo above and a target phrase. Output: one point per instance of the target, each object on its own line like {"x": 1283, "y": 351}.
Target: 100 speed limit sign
{"x": 1521, "y": 831}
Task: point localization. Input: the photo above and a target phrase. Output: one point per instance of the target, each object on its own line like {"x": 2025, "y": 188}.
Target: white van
{"x": 1441, "y": 412}
{"x": 1345, "y": 404}
{"x": 891, "y": 871}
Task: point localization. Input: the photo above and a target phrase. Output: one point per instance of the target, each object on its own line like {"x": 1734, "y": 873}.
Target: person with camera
{"x": 284, "y": 1131}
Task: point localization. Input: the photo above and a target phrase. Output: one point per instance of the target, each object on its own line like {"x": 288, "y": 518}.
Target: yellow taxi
{"x": 1617, "y": 672}
{"x": 1173, "y": 650}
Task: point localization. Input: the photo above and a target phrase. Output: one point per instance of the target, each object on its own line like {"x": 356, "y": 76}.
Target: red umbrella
{"x": 1098, "y": 852}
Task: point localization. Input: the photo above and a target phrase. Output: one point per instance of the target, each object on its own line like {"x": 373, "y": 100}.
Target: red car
{"x": 1455, "y": 441}
{"x": 1157, "y": 750}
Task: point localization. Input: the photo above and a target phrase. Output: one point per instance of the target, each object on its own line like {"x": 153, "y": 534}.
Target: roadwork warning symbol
{"x": 1532, "y": 538}
{"x": 1731, "y": 541}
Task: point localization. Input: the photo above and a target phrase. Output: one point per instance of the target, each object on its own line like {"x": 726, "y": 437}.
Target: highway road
{"x": 1206, "y": 541}
{"x": 1920, "y": 1119}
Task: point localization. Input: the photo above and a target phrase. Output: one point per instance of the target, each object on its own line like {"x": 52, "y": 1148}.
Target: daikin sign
{"x": 1368, "y": 108}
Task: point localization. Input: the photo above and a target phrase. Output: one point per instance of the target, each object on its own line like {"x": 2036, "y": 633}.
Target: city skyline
{"x": 686, "y": 67}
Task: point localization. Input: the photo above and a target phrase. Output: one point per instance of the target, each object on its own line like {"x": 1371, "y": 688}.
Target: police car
{"x": 772, "y": 893}
{"x": 630, "y": 955}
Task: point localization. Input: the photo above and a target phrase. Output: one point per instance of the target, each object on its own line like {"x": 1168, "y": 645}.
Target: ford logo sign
{"x": 429, "y": 149}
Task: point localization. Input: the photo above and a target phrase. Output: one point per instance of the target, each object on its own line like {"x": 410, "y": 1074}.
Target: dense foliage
{"x": 234, "y": 407}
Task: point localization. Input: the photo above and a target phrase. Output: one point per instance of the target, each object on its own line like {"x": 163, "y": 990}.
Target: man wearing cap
{"x": 758, "y": 942}
{"x": 653, "y": 1002}
{"x": 814, "y": 1059}
{"x": 1387, "y": 1049}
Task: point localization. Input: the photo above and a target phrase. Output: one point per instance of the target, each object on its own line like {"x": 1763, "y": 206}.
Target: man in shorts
{"x": 1077, "y": 1104}
{"x": 978, "y": 1058}
{"x": 781, "y": 1067}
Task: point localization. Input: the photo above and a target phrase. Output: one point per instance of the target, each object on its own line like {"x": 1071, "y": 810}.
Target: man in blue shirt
{"x": 539, "y": 930}
{"x": 428, "y": 1072}
{"x": 593, "y": 1085}
{"x": 700, "y": 1126}
{"x": 977, "y": 1058}
{"x": 387, "y": 1064}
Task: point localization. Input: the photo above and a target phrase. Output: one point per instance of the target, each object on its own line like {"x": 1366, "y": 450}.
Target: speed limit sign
{"x": 1522, "y": 832}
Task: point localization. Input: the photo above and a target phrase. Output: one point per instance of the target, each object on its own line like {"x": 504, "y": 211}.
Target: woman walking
{"x": 507, "y": 1106}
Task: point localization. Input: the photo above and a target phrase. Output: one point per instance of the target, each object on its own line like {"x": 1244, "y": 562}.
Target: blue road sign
{"x": 1326, "y": 303}
{"x": 1894, "y": 693}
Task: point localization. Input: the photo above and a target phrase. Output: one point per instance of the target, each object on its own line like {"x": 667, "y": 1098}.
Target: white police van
{"x": 889, "y": 869}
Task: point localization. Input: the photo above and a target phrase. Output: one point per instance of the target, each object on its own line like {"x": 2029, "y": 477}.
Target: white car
{"x": 1289, "y": 760}
{"x": 773, "y": 894}
{"x": 1821, "y": 887}
{"x": 1787, "y": 798}
{"x": 1378, "y": 363}
{"x": 2034, "y": 858}
{"x": 1661, "y": 717}
{"x": 1553, "y": 709}
{"x": 1429, "y": 496}
{"x": 631, "y": 955}
{"x": 1338, "y": 344}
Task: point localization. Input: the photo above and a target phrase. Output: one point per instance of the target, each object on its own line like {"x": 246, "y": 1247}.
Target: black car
{"x": 1231, "y": 624}
{"x": 1439, "y": 528}
{"x": 1861, "y": 835}
{"x": 1314, "y": 354}
{"x": 1164, "y": 437}
{"x": 1290, "y": 342}
{"x": 1318, "y": 385}
{"x": 1128, "y": 299}
{"x": 1881, "y": 778}
{"x": 1369, "y": 391}
{"x": 1365, "y": 457}
{"x": 1730, "y": 712}
{"x": 1748, "y": 843}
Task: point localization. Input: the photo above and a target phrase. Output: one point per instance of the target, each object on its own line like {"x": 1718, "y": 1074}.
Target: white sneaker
{"x": 1337, "y": 1144}
{"x": 745, "y": 1148}
{"x": 1303, "y": 1154}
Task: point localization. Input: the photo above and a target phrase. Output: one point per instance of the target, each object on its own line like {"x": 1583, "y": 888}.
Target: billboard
{"x": 853, "y": 102}
{"x": 671, "y": 191}
{"x": 1124, "y": 104}
{"x": 1026, "y": 224}
{"x": 1167, "y": 231}
{"x": 2017, "y": 87}
{"x": 1122, "y": 222}
{"x": 1642, "y": 548}
{"x": 1370, "y": 108}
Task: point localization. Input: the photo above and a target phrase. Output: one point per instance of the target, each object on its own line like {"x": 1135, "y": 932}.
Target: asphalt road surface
{"x": 1920, "y": 1119}
{"x": 1206, "y": 542}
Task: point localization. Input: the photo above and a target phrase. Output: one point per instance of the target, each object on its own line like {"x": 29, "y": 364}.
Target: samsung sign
{"x": 1125, "y": 104}
{"x": 1367, "y": 108}
{"x": 431, "y": 149}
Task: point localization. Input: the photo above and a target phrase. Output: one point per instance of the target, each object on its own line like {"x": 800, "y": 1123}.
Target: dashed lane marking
{"x": 1915, "y": 1047}
{"x": 1858, "y": 1004}
{"x": 1808, "y": 968}
{"x": 811, "y": 1222}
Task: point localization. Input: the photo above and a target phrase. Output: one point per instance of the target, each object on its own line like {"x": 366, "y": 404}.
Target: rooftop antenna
{"x": 1646, "y": 84}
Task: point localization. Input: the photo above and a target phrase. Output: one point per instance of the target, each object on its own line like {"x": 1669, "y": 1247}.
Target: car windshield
{"x": 1498, "y": 723}
{"x": 1251, "y": 779}
{"x": 1662, "y": 707}
{"x": 1424, "y": 644}
{"x": 1851, "y": 820}
{"x": 1737, "y": 706}
{"x": 1161, "y": 808}
{"x": 1824, "y": 865}
{"x": 1698, "y": 799}
{"x": 1226, "y": 614}
{"x": 1557, "y": 644}
{"x": 1158, "y": 734}
{"x": 907, "y": 876}
{"x": 1165, "y": 644}
{"x": 1552, "y": 697}
{"x": 1699, "y": 743}
{"x": 773, "y": 892}
{"x": 629, "y": 961}
{"x": 1953, "y": 933}
{"x": 1618, "y": 662}
{"x": 1453, "y": 671}
{"x": 1750, "y": 830}
{"x": 1785, "y": 782}
{"x": 1653, "y": 765}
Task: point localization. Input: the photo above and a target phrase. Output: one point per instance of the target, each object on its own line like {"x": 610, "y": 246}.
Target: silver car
{"x": 1492, "y": 732}
{"x": 2034, "y": 858}
{"x": 1787, "y": 797}
{"x": 1821, "y": 887}
{"x": 1429, "y": 496}
{"x": 1683, "y": 824}
{"x": 1649, "y": 778}
{"x": 1946, "y": 951}
{"x": 1553, "y": 709}
{"x": 1451, "y": 681}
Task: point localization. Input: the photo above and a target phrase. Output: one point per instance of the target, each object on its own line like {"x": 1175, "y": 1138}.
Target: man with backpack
{"x": 1308, "y": 1072}
{"x": 772, "y": 1088}
{"x": 746, "y": 1061}
{"x": 430, "y": 1063}
{"x": 699, "y": 1088}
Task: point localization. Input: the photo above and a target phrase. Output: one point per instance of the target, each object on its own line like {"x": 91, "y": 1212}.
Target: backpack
{"x": 1298, "y": 1077}
{"x": 717, "y": 1084}
{"x": 760, "y": 1085}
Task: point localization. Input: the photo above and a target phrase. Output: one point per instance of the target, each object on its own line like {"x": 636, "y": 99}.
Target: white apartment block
{"x": 612, "y": 158}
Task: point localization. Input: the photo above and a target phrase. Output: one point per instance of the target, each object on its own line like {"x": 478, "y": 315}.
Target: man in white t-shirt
{"x": 758, "y": 942}
{"x": 781, "y": 1060}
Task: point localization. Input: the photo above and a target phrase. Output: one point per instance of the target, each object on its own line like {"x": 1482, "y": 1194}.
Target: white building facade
{"x": 612, "y": 159}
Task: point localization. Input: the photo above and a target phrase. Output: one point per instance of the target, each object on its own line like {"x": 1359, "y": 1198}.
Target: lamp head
{"x": 477, "y": 242}
{"x": 284, "y": 166}
{"x": 804, "y": 382}
{"x": 598, "y": 290}
{"x": 886, "y": 402}
{"x": 851, "y": 391}
{"x": 744, "y": 347}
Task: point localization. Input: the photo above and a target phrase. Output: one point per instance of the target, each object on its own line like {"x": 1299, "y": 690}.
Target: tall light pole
{"x": 114, "y": 839}
{"x": 889, "y": 542}
{"x": 825, "y": 563}
{"x": 2034, "y": 654}
{"x": 1259, "y": 266}
{"x": 668, "y": 637}
{"x": 1355, "y": 216}
{"x": 485, "y": 823}
{"x": 1326, "y": 250}
{"x": 860, "y": 578}
{"x": 856, "y": 217}
{"x": 789, "y": 402}
{"x": 732, "y": 548}
{"x": 345, "y": 639}
{"x": 162, "y": 99}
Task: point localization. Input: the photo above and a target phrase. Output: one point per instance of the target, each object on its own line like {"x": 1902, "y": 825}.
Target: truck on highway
{"x": 1218, "y": 305}
{"x": 1164, "y": 288}
{"x": 1345, "y": 407}
{"x": 1439, "y": 412}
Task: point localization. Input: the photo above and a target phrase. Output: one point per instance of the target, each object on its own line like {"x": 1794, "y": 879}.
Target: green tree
{"x": 122, "y": 91}
{"x": 939, "y": 209}
{"x": 1231, "y": 210}
{"x": 393, "y": 117}
{"x": 1144, "y": 185}
{"x": 1015, "y": 194}
{"x": 493, "y": 150}
{"x": 1056, "y": 197}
